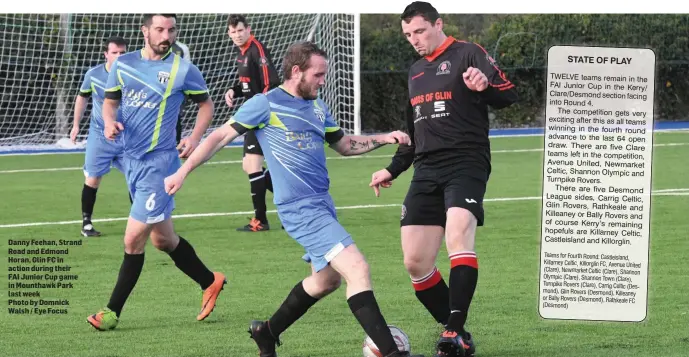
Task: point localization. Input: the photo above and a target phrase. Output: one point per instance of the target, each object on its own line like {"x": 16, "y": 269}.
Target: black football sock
{"x": 188, "y": 262}
{"x": 258, "y": 195}
{"x": 433, "y": 293}
{"x": 88, "y": 200}
{"x": 463, "y": 279}
{"x": 269, "y": 180}
{"x": 130, "y": 270}
{"x": 365, "y": 308}
{"x": 292, "y": 309}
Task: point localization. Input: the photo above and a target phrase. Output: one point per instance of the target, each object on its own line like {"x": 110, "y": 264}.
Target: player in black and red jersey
{"x": 257, "y": 74}
{"x": 450, "y": 89}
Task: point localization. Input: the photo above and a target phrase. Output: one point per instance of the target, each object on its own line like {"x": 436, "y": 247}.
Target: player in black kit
{"x": 450, "y": 88}
{"x": 257, "y": 74}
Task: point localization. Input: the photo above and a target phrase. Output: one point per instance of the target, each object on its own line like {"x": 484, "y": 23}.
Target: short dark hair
{"x": 299, "y": 54}
{"x": 148, "y": 18}
{"x": 420, "y": 8}
{"x": 117, "y": 40}
{"x": 236, "y": 19}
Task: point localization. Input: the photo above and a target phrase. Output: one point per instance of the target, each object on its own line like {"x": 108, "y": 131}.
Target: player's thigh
{"x": 100, "y": 154}
{"x": 135, "y": 236}
{"x": 252, "y": 160}
{"x": 151, "y": 203}
{"x": 312, "y": 222}
{"x": 423, "y": 205}
{"x": 464, "y": 202}
{"x": 420, "y": 247}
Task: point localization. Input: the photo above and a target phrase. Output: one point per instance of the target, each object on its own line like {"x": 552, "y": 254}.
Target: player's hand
{"x": 73, "y": 134}
{"x": 187, "y": 145}
{"x": 475, "y": 79}
{"x": 397, "y": 137}
{"x": 173, "y": 183}
{"x": 228, "y": 97}
{"x": 382, "y": 178}
{"x": 111, "y": 130}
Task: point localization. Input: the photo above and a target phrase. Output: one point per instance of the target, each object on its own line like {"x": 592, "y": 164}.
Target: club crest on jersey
{"x": 443, "y": 68}
{"x": 319, "y": 113}
{"x": 163, "y": 77}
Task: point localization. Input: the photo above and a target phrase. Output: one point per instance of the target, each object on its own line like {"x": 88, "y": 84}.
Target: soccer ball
{"x": 401, "y": 338}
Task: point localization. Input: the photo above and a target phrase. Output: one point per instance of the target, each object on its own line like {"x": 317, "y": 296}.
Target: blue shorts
{"x": 146, "y": 183}
{"x": 101, "y": 154}
{"x": 313, "y": 223}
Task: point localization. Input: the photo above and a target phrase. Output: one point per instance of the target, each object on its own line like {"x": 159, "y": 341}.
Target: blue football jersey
{"x": 93, "y": 85}
{"x": 151, "y": 94}
{"x": 292, "y": 133}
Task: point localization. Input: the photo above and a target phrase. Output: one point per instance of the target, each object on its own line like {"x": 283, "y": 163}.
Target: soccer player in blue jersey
{"x": 292, "y": 125}
{"x": 149, "y": 86}
{"x": 101, "y": 154}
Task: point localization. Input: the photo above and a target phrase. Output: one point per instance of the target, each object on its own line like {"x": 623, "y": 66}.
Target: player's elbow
{"x": 207, "y": 106}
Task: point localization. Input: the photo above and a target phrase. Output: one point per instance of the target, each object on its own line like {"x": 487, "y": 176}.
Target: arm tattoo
{"x": 364, "y": 145}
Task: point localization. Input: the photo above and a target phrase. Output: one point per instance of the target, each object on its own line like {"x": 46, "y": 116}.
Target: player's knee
{"x": 162, "y": 241}
{"x": 330, "y": 284}
{"x": 460, "y": 229}
{"x": 134, "y": 244}
{"x": 252, "y": 164}
{"x": 417, "y": 264}
{"x": 359, "y": 271}
{"x": 93, "y": 182}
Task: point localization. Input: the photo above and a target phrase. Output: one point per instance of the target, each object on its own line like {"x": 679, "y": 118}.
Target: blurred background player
{"x": 181, "y": 50}
{"x": 101, "y": 154}
{"x": 150, "y": 86}
{"x": 302, "y": 193}
{"x": 452, "y": 164}
{"x": 257, "y": 74}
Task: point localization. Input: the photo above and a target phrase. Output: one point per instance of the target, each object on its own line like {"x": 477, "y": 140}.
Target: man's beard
{"x": 304, "y": 91}
{"x": 158, "y": 49}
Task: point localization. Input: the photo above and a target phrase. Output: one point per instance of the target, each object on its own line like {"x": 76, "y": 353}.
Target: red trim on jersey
{"x": 440, "y": 49}
{"x": 246, "y": 45}
{"x": 266, "y": 80}
{"x": 504, "y": 86}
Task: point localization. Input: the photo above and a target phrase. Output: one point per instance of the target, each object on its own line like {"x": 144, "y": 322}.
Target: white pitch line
{"x": 328, "y": 158}
{"x": 667, "y": 192}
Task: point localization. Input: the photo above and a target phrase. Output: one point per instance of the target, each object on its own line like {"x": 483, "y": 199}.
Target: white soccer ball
{"x": 401, "y": 338}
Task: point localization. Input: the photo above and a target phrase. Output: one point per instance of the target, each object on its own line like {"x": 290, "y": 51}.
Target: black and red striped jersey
{"x": 446, "y": 120}
{"x": 255, "y": 68}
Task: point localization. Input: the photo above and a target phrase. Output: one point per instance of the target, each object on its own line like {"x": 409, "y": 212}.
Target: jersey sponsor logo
{"x": 439, "y": 106}
{"x": 417, "y": 111}
{"x": 134, "y": 99}
{"x": 443, "y": 68}
{"x": 303, "y": 140}
{"x": 163, "y": 77}
{"x": 429, "y": 97}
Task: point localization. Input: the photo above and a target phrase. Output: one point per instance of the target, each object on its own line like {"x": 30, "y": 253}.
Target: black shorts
{"x": 432, "y": 192}
{"x": 251, "y": 145}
